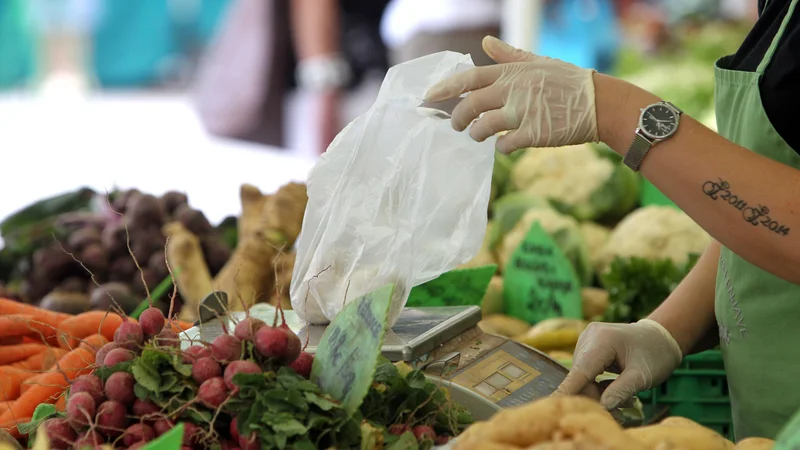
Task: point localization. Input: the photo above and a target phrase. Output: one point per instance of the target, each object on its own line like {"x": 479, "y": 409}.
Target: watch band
{"x": 637, "y": 151}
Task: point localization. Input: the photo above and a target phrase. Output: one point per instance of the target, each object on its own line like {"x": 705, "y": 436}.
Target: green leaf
{"x": 416, "y": 380}
{"x": 405, "y": 441}
{"x": 321, "y": 402}
{"x": 171, "y": 440}
{"x": 146, "y": 376}
{"x": 104, "y": 372}
{"x": 42, "y": 412}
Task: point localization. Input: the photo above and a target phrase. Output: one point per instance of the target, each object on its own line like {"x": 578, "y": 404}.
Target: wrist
{"x": 677, "y": 351}
{"x": 618, "y": 105}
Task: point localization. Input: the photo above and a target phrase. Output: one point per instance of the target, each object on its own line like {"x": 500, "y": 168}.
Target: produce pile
{"x": 627, "y": 258}
{"x": 580, "y": 423}
{"x": 116, "y": 382}
{"x": 84, "y": 251}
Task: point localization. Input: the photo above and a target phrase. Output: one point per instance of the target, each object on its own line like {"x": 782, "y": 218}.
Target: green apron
{"x": 756, "y": 311}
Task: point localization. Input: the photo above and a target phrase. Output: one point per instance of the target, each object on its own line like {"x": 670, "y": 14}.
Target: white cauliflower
{"x": 485, "y": 255}
{"x": 577, "y": 180}
{"x": 563, "y": 229}
{"x": 653, "y": 233}
{"x": 595, "y": 236}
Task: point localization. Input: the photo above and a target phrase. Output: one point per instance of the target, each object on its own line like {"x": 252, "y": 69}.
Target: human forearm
{"x": 756, "y": 216}
{"x": 315, "y": 27}
{"x": 688, "y": 313}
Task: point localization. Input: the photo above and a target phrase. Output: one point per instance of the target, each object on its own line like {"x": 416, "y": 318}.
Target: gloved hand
{"x": 542, "y": 102}
{"x": 645, "y": 353}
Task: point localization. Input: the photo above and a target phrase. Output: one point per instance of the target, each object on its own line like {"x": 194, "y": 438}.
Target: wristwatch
{"x": 657, "y": 123}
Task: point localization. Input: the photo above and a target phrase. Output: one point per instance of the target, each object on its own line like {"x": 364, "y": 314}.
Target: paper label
{"x": 539, "y": 282}
{"x": 347, "y": 354}
{"x": 458, "y": 287}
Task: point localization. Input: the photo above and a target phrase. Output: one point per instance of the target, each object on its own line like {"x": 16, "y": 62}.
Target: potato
{"x": 755, "y": 443}
{"x": 114, "y": 238}
{"x": 150, "y": 278}
{"x": 216, "y": 253}
{"x": 112, "y": 296}
{"x": 503, "y": 325}
{"x": 122, "y": 269}
{"x": 65, "y": 302}
{"x": 595, "y": 430}
{"x": 73, "y": 284}
{"x": 8, "y": 441}
{"x": 120, "y": 203}
{"x": 680, "y": 436}
{"x": 529, "y": 424}
{"x": 95, "y": 258}
{"x": 493, "y": 299}
{"x": 83, "y": 237}
{"x": 194, "y": 220}
{"x": 595, "y": 302}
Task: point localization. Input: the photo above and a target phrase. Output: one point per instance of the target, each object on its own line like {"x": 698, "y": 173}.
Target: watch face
{"x": 659, "y": 121}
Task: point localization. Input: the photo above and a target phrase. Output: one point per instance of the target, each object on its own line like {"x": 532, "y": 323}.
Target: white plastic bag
{"x": 399, "y": 197}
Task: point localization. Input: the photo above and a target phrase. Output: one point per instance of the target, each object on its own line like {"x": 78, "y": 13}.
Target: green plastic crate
{"x": 697, "y": 390}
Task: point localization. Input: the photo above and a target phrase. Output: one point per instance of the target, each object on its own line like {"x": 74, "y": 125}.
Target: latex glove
{"x": 645, "y": 353}
{"x": 542, "y": 102}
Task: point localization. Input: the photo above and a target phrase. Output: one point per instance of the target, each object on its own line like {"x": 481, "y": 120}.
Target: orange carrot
{"x": 72, "y": 330}
{"x": 42, "y": 315}
{"x": 5, "y": 405}
{"x": 179, "y": 325}
{"x": 13, "y": 353}
{"x": 15, "y": 325}
{"x": 93, "y": 342}
{"x": 61, "y": 403}
{"x": 12, "y": 340}
{"x": 41, "y": 361}
{"x": 72, "y": 365}
{"x": 11, "y": 382}
{"x": 10, "y": 425}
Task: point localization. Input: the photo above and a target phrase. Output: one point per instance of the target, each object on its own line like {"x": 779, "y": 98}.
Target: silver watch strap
{"x": 637, "y": 151}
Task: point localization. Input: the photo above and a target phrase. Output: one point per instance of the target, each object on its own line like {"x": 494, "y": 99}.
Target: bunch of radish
{"x": 99, "y": 413}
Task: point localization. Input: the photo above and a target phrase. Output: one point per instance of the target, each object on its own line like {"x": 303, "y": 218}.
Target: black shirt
{"x": 780, "y": 85}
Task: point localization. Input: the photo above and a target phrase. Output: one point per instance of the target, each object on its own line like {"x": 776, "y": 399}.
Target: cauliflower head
{"x": 563, "y": 229}
{"x": 595, "y": 236}
{"x": 654, "y": 233}
{"x": 577, "y": 180}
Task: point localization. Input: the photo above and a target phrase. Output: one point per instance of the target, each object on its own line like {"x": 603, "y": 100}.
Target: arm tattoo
{"x": 753, "y": 214}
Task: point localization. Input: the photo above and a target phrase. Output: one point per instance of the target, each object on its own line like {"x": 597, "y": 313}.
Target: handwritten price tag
{"x": 347, "y": 354}
{"x": 460, "y": 287}
{"x": 540, "y": 283}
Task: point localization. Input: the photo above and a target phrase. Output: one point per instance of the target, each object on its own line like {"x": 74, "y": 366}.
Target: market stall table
{"x": 152, "y": 142}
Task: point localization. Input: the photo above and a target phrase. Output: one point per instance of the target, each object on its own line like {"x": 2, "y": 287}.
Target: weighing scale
{"x": 484, "y": 372}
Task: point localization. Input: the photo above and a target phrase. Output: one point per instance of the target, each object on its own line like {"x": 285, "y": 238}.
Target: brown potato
{"x": 680, "y": 437}
{"x": 755, "y": 443}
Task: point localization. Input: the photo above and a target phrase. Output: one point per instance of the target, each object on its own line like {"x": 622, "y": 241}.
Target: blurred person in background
{"x": 322, "y": 48}
{"x": 17, "y": 45}
{"x": 415, "y": 28}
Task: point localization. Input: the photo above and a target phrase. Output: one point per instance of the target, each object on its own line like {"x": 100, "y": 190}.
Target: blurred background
{"x": 205, "y": 94}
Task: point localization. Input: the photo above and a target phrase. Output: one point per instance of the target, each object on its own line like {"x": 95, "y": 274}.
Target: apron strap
{"x": 775, "y": 40}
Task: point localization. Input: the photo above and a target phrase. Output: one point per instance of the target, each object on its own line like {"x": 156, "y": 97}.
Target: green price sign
{"x": 347, "y": 354}
{"x": 459, "y": 287}
{"x": 539, "y": 281}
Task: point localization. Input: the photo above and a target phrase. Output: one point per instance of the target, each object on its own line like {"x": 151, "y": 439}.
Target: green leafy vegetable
{"x": 636, "y": 286}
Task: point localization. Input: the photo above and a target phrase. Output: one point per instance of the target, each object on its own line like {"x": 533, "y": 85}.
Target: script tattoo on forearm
{"x": 753, "y": 214}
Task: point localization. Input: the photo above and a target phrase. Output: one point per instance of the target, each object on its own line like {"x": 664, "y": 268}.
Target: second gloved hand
{"x": 541, "y": 102}
{"x": 645, "y": 353}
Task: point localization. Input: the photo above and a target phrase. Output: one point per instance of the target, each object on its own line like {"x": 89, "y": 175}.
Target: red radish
{"x": 271, "y": 342}
{"x": 204, "y": 369}
{"x": 162, "y": 426}
{"x": 239, "y": 367}
{"x": 137, "y": 433}
{"x": 100, "y": 356}
{"x": 152, "y": 321}
{"x": 90, "y": 384}
{"x": 194, "y": 353}
{"x": 129, "y": 335}
{"x": 111, "y": 418}
{"x": 226, "y": 348}
{"x": 302, "y": 365}
{"x": 234, "y": 429}
{"x": 117, "y": 356}
{"x": 398, "y": 429}
{"x": 81, "y": 410}
{"x": 91, "y": 439}
{"x": 60, "y": 433}
{"x": 294, "y": 346}
{"x": 250, "y": 443}
{"x": 167, "y": 338}
{"x": 424, "y": 433}
{"x": 442, "y": 439}
{"x": 191, "y": 433}
{"x": 119, "y": 387}
{"x": 230, "y": 445}
{"x": 213, "y": 392}
{"x": 146, "y": 410}
{"x": 246, "y": 329}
